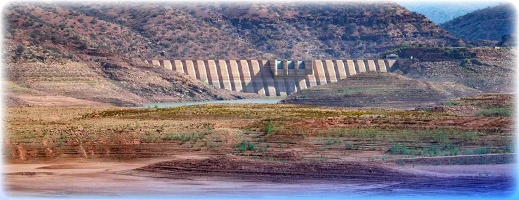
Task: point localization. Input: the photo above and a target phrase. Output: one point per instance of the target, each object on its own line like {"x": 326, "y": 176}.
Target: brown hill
{"x": 54, "y": 53}
{"x": 375, "y": 89}
{"x": 332, "y": 30}
{"x": 289, "y": 30}
{"x": 92, "y": 52}
{"x": 486, "y": 24}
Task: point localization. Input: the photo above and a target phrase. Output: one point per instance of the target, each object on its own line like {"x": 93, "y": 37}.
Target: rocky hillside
{"x": 486, "y": 24}
{"x": 87, "y": 53}
{"x": 290, "y": 30}
{"x": 376, "y": 89}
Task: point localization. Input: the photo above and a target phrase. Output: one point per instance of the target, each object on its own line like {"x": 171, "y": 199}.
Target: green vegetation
{"x": 432, "y": 150}
{"x": 245, "y": 146}
{"x": 477, "y": 151}
{"x": 349, "y": 146}
{"x": 495, "y": 112}
{"x": 449, "y": 103}
{"x": 269, "y": 127}
{"x": 457, "y": 52}
{"x": 333, "y": 141}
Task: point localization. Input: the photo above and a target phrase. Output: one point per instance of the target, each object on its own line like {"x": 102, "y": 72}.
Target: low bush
{"x": 269, "y": 127}
{"x": 245, "y": 146}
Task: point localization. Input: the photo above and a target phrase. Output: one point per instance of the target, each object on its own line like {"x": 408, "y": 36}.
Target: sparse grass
{"x": 184, "y": 137}
{"x": 477, "y": 151}
{"x": 264, "y": 148}
{"x": 333, "y": 141}
{"x": 365, "y": 133}
{"x": 495, "y": 112}
{"x": 173, "y": 125}
{"x": 281, "y": 146}
{"x": 171, "y": 136}
{"x": 440, "y": 137}
{"x": 321, "y": 158}
{"x": 432, "y": 150}
{"x": 469, "y": 136}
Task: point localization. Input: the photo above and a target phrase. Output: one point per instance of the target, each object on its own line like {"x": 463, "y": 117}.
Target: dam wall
{"x": 272, "y": 77}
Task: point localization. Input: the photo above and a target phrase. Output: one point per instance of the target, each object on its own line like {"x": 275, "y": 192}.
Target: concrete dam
{"x": 272, "y": 77}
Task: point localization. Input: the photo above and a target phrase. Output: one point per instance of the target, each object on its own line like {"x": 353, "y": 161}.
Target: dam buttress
{"x": 272, "y": 77}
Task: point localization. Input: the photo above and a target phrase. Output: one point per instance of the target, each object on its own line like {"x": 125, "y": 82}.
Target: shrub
{"x": 349, "y": 146}
{"x": 398, "y": 149}
{"x": 19, "y": 49}
{"x": 244, "y": 146}
{"x": 269, "y": 127}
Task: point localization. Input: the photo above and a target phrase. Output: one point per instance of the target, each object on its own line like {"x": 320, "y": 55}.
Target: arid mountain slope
{"x": 94, "y": 52}
{"x": 485, "y": 24}
{"x": 289, "y": 30}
